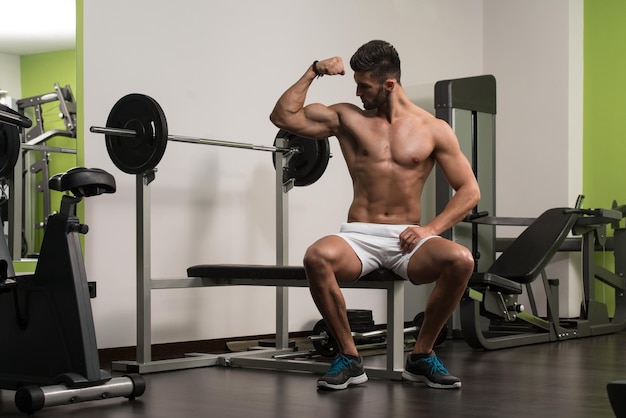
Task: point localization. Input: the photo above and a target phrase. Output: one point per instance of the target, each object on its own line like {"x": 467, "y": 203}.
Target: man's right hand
{"x": 331, "y": 66}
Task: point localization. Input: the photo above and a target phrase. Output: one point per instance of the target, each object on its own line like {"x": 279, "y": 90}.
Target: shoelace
{"x": 436, "y": 365}
{"x": 338, "y": 364}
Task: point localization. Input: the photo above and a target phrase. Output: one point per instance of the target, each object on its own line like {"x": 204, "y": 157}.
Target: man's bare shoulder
{"x": 421, "y": 113}
{"x": 350, "y": 116}
{"x": 442, "y": 134}
{"x": 438, "y": 127}
{"x": 346, "y": 108}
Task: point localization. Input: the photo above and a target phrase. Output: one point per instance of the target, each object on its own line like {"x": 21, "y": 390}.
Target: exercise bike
{"x": 48, "y": 351}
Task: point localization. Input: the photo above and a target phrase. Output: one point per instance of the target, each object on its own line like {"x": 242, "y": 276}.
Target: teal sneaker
{"x": 429, "y": 370}
{"x": 342, "y": 373}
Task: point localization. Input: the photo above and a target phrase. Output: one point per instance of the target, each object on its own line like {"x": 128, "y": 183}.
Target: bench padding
{"x": 265, "y": 272}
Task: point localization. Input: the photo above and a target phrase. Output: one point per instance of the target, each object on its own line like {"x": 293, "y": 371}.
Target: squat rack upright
{"x": 145, "y": 283}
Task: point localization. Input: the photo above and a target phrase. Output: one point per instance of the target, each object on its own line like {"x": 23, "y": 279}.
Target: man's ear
{"x": 389, "y": 84}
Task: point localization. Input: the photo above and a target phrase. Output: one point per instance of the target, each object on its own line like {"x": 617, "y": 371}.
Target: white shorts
{"x": 378, "y": 245}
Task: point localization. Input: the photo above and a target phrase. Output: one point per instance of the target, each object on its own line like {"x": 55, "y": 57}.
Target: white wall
{"x": 534, "y": 49}
{"x": 217, "y": 70}
{"x": 10, "y": 75}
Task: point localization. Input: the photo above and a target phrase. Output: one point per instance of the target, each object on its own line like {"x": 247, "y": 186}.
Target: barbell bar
{"x": 129, "y": 133}
{"x": 137, "y": 134}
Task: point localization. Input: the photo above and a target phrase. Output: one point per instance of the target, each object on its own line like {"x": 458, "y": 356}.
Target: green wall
{"x": 39, "y": 73}
{"x": 604, "y": 102}
{"x": 604, "y": 110}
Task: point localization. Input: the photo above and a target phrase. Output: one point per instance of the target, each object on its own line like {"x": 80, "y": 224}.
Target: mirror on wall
{"x": 38, "y": 79}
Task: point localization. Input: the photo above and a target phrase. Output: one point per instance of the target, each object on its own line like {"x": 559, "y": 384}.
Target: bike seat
{"x": 83, "y": 182}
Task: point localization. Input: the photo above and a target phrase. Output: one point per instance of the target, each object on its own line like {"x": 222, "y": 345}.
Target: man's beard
{"x": 381, "y": 98}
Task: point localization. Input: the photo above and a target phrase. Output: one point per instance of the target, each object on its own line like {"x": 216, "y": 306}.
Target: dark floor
{"x": 565, "y": 379}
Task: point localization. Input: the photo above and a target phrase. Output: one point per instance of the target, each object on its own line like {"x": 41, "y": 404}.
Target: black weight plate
{"x": 360, "y": 321}
{"x": 328, "y": 348}
{"x": 144, "y": 115}
{"x": 362, "y": 326}
{"x": 356, "y": 314}
{"x": 419, "y": 320}
{"x": 307, "y": 166}
{"x": 9, "y": 149}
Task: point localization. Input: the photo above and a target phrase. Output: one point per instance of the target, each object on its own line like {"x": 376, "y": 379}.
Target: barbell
{"x": 326, "y": 345}
{"x": 136, "y": 137}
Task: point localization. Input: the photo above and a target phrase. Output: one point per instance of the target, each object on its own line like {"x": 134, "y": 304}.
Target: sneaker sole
{"x": 357, "y": 380}
{"x": 423, "y": 379}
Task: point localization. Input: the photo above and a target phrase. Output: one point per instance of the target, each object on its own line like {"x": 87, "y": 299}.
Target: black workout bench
{"x": 269, "y": 358}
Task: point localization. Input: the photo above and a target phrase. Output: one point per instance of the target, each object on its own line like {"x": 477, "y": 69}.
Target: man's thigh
{"x": 427, "y": 263}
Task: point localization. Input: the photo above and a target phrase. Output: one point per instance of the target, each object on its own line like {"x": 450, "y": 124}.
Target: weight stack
{"x": 360, "y": 320}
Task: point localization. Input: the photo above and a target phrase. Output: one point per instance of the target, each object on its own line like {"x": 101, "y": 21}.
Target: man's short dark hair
{"x": 378, "y": 57}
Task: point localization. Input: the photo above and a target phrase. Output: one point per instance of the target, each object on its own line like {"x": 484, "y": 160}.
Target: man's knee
{"x": 462, "y": 264}
{"x": 318, "y": 264}
{"x": 442, "y": 259}
{"x": 330, "y": 260}
{"x": 315, "y": 258}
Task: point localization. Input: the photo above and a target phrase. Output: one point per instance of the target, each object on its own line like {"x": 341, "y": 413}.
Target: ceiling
{"x": 36, "y": 26}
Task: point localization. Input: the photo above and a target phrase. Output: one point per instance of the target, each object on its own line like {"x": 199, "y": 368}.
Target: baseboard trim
{"x": 179, "y": 349}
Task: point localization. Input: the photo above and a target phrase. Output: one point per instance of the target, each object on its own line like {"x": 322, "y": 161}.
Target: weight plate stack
{"x": 360, "y": 320}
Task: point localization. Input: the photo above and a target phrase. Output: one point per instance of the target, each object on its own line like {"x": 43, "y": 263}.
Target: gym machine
{"x": 48, "y": 351}
{"x": 10, "y": 180}
{"x": 35, "y": 159}
{"x": 469, "y": 106}
{"x": 491, "y": 316}
{"x": 67, "y": 107}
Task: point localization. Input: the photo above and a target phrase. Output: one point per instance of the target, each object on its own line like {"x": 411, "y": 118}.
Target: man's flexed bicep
{"x": 315, "y": 120}
{"x": 312, "y": 121}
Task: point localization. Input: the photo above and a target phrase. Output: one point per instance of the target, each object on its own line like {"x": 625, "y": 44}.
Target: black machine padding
{"x": 83, "y": 182}
{"x": 481, "y": 281}
{"x": 529, "y": 254}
